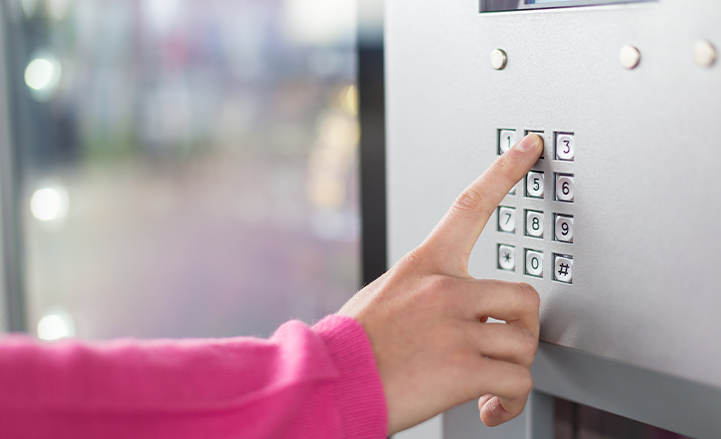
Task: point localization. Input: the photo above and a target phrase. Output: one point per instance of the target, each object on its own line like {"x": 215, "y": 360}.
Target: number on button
{"x": 534, "y": 263}
{"x": 506, "y": 140}
{"x": 507, "y": 219}
{"x": 564, "y": 228}
{"x": 565, "y": 147}
{"x": 534, "y": 224}
{"x": 534, "y": 184}
{"x": 564, "y": 188}
{"x": 506, "y": 257}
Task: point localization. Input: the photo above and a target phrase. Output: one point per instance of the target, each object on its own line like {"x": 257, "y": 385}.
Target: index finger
{"x": 456, "y": 234}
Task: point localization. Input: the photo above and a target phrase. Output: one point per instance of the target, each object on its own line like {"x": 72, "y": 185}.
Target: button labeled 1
{"x": 564, "y": 188}
{"x": 564, "y": 228}
{"x": 563, "y": 269}
{"x": 506, "y": 257}
{"x": 534, "y": 263}
{"x": 534, "y": 224}
{"x": 506, "y": 140}
{"x": 507, "y": 219}
{"x": 565, "y": 147}
{"x": 534, "y": 184}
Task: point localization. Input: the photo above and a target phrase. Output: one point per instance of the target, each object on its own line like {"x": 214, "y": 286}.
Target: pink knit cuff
{"x": 359, "y": 391}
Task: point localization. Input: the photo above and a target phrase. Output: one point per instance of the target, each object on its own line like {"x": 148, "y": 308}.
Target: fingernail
{"x": 530, "y": 142}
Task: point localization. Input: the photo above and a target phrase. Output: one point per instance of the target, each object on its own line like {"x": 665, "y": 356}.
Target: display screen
{"x": 513, "y": 5}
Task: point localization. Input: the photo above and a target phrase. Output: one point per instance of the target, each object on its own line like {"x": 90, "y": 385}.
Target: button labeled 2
{"x": 534, "y": 184}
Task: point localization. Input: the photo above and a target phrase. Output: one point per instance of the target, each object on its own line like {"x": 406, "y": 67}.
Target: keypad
{"x": 536, "y": 219}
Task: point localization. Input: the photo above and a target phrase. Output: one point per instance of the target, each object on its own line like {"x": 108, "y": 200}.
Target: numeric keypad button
{"x": 534, "y": 184}
{"x": 563, "y": 229}
{"x": 506, "y": 140}
{"x": 565, "y": 147}
{"x": 563, "y": 268}
{"x": 506, "y": 257}
{"x": 507, "y": 219}
{"x": 534, "y": 224}
{"x": 564, "y": 188}
{"x": 534, "y": 263}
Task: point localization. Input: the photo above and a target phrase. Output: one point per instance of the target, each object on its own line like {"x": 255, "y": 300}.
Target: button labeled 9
{"x": 563, "y": 230}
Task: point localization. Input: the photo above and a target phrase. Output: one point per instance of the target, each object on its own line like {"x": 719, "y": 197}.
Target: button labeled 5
{"x": 534, "y": 184}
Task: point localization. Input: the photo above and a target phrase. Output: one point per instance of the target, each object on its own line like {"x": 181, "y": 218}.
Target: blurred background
{"x": 183, "y": 168}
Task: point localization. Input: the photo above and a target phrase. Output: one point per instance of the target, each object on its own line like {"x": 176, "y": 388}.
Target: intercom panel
{"x": 618, "y": 225}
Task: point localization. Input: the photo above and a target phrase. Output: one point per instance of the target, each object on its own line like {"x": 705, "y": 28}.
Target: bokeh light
{"x": 54, "y": 326}
{"x": 49, "y": 204}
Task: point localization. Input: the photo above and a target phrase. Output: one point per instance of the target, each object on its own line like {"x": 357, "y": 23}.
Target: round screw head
{"x": 629, "y": 57}
{"x": 704, "y": 53}
{"x": 498, "y": 59}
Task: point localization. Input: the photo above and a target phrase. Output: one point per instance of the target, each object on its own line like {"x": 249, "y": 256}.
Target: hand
{"x": 427, "y": 318}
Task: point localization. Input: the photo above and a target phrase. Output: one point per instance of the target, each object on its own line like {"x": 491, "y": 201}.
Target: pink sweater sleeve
{"x": 319, "y": 382}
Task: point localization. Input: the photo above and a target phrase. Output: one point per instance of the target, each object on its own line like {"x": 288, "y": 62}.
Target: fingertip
{"x": 493, "y": 413}
{"x": 531, "y": 143}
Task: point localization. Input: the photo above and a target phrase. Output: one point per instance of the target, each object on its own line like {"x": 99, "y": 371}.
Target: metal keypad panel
{"x": 535, "y": 222}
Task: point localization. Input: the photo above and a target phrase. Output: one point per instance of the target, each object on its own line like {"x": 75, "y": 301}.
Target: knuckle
{"x": 469, "y": 204}
{"x": 530, "y": 296}
{"x": 414, "y": 259}
{"x": 525, "y": 382}
{"x": 529, "y": 345}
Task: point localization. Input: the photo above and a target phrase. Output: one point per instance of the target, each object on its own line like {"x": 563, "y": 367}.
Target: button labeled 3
{"x": 565, "y": 147}
{"x": 507, "y": 219}
{"x": 506, "y": 257}
{"x": 534, "y": 184}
